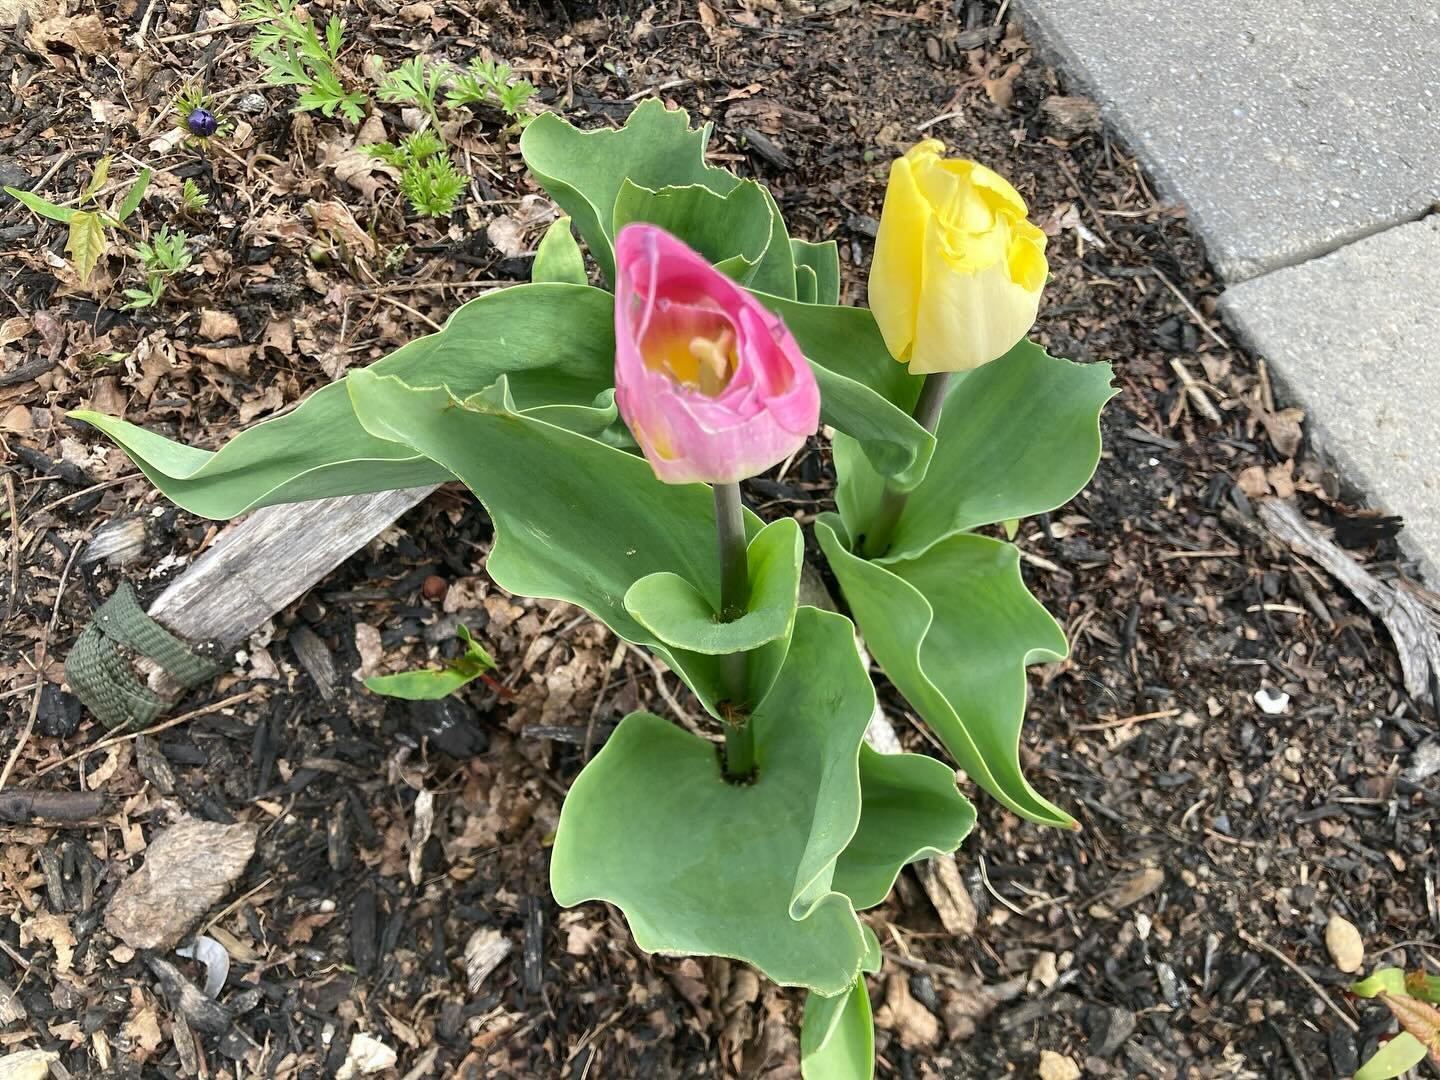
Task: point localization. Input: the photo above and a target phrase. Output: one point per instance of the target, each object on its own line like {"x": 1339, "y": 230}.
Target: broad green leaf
{"x": 430, "y": 684}
{"x": 730, "y": 230}
{"x": 552, "y": 492}
{"x": 704, "y": 867}
{"x": 775, "y": 275}
{"x": 558, "y": 257}
{"x": 584, "y": 171}
{"x": 823, "y": 263}
{"x": 910, "y": 810}
{"x": 863, "y": 392}
{"x": 837, "y": 1036}
{"x": 1385, "y": 980}
{"x": 954, "y": 628}
{"x": 677, "y": 613}
{"x": 554, "y": 342}
{"x": 1019, "y": 436}
{"x": 134, "y": 195}
{"x": 86, "y": 242}
{"x": 1400, "y": 1054}
{"x": 98, "y": 177}
{"x": 44, "y": 207}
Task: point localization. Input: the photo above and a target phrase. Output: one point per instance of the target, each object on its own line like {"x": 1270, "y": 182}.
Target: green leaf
{"x": 430, "y": 684}
{"x": 1019, "y": 436}
{"x": 98, "y": 177}
{"x": 776, "y": 273}
{"x": 837, "y": 1036}
{"x": 704, "y": 867}
{"x": 1402, "y": 1052}
{"x": 133, "y": 196}
{"x": 44, "y": 207}
{"x": 953, "y": 628}
{"x": 551, "y": 492}
{"x": 584, "y": 171}
{"x": 730, "y": 230}
{"x": 555, "y": 342}
{"x": 1384, "y": 980}
{"x": 911, "y": 810}
{"x": 558, "y": 257}
{"x": 86, "y": 242}
{"x": 672, "y": 609}
{"x": 823, "y": 263}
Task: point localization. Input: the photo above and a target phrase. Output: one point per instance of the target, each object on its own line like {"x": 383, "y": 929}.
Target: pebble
{"x": 1345, "y": 945}
{"x": 1055, "y": 1066}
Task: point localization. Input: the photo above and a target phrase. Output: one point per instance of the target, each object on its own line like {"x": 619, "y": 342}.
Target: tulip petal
{"x": 896, "y": 272}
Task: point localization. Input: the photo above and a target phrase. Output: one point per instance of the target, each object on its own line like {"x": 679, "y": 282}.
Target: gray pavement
{"x": 1365, "y": 367}
{"x": 1304, "y": 136}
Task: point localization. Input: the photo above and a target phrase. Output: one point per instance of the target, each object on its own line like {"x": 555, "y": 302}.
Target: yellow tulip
{"x": 958, "y": 268}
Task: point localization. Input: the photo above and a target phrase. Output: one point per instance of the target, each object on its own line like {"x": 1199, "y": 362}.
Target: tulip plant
{"x": 607, "y": 435}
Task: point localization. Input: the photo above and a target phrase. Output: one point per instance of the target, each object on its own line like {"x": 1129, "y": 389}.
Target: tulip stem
{"x": 734, "y": 597}
{"x": 876, "y": 542}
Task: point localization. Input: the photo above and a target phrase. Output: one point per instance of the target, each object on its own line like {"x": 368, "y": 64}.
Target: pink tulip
{"x": 711, "y": 384}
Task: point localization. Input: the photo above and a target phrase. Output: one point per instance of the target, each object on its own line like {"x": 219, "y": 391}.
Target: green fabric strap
{"x": 100, "y": 673}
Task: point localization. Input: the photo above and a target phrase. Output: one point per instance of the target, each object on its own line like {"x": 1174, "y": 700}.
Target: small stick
{"x": 21, "y": 807}
{"x": 1194, "y": 312}
{"x": 1163, "y": 714}
{"x": 14, "y": 597}
{"x": 41, "y": 652}
{"x": 1311, "y": 983}
{"x": 1197, "y": 394}
{"x": 206, "y": 710}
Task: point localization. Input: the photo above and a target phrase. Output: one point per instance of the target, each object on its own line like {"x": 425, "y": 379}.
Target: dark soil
{"x": 1167, "y": 938}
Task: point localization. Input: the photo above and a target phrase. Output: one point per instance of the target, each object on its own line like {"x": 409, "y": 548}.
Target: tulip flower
{"x": 958, "y": 268}
{"x": 712, "y": 385}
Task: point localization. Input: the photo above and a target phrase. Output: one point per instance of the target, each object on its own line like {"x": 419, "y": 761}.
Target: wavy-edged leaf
{"x": 1018, "y": 436}
{"x": 731, "y": 230}
{"x": 555, "y": 343}
{"x": 910, "y": 810}
{"x": 1397, "y": 1056}
{"x": 822, "y": 264}
{"x": 704, "y": 867}
{"x": 85, "y": 243}
{"x": 837, "y": 1036}
{"x": 558, "y": 257}
{"x": 954, "y": 628}
{"x": 584, "y": 171}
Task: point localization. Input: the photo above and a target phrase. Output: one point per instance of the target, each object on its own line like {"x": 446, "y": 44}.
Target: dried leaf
{"x": 1419, "y": 1018}
{"x": 215, "y": 325}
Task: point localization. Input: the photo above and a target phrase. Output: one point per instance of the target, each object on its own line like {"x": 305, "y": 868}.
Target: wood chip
{"x": 483, "y": 954}
{"x": 940, "y": 877}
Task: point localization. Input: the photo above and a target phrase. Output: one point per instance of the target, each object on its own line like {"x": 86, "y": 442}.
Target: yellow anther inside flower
{"x": 695, "y": 348}
{"x": 716, "y": 361}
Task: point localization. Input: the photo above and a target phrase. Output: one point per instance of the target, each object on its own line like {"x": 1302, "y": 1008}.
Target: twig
{"x": 680, "y": 711}
{"x": 1194, "y": 312}
{"x": 1196, "y": 392}
{"x": 205, "y": 710}
{"x": 406, "y": 307}
{"x": 1163, "y": 714}
{"x": 1298, "y": 970}
{"x": 41, "y": 654}
{"x": 86, "y": 491}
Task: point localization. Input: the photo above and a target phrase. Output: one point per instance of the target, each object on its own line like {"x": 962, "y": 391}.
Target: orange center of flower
{"x": 695, "y": 348}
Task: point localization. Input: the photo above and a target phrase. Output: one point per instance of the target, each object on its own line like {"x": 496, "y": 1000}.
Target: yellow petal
{"x": 895, "y": 272}
{"x": 967, "y": 318}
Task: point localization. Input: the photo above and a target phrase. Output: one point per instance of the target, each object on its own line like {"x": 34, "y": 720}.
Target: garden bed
{"x": 1180, "y": 932}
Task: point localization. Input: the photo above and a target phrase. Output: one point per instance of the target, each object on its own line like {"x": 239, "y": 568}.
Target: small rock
{"x": 1070, "y": 115}
{"x": 1055, "y": 1066}
{"x": 188, "y": 868}
{"x": 1044, "y": 970}
{"x": 59, "y": 712}
{"x": 1346, "y": 947}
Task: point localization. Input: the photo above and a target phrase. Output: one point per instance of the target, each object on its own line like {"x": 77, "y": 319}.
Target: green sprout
{"x": 293, "y": 54}
{"x": 88, "y": 239}
{"x": 192, "y": 199}
{"x": 490, "y": 82}
{"x": 166, "y": 255}
{"x": 428, "y": 177}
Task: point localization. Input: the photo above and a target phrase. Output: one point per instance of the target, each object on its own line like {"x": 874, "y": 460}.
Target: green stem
{"x": 734, "y": 596}
{"x": 892, "y": 502}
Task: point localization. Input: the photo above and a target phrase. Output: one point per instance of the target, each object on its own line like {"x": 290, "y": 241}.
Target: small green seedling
{"x": 166, "y": 255}
{"x": 293, "y": 54}
{"x": 1411, "y": 997}
{"x": 430, "y": 684}
{"x": 88, "y": 240}
{"x": 192, "y": 199}
{"x": 491, "y": 82}
{"x": 427, "y": 175}
{"x": 416, "y": 82}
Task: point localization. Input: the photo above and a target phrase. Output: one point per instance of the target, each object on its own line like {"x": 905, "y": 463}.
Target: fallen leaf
{"x": 215, "y": 325}
{"x": 55, "y": 929}
{"x": 901, "y": 1013}
{"x": 83, "y": 34}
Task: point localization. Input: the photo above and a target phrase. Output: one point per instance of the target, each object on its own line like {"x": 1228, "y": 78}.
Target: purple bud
{"x": 202, "y": 122}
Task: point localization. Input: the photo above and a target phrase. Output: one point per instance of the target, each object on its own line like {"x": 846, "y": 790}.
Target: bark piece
{"x": 188, "y": 868}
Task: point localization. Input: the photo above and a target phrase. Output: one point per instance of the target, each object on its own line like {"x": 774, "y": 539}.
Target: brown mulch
{"x": 1176, "y": 935}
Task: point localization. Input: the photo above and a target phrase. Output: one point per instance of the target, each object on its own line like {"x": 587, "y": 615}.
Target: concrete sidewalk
{"x": 1304, "y": 136}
